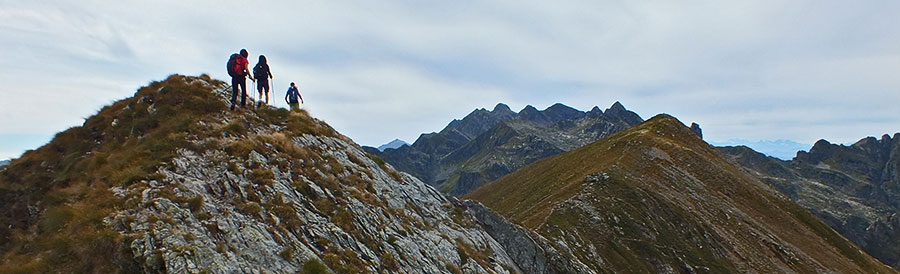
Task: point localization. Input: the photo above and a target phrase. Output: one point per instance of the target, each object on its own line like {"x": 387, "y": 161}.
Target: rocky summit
{"x": 485, "y": 145}
{"x": 855, "y": 189}
{"x": 171, "y": 181}
{"x": 655, "y": 198}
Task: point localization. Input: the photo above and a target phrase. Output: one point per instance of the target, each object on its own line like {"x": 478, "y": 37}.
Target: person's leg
{"x": 295, "y": 107}
{"x": 243, "y": 83}
{"x": 267, "y": 93}
{"x": 234, "y": 91}
{"x": 259, "y": 89}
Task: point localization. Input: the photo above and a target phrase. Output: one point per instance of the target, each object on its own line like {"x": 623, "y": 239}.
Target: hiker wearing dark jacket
{"x": 291, "y": 97}
{"x": 239, "y": 78}
{"x": 263, "y": 74}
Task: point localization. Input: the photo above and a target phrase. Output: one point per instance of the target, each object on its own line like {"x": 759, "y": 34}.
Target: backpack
{"x": 235, "y": 68}
{"x": 260, "y": 71}
{"x": 292, "y": 95}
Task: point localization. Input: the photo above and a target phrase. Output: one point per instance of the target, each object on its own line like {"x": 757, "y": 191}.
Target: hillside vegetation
{"x": 655, "y": 198}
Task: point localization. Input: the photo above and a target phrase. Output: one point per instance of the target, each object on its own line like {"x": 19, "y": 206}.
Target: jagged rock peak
{"x": 616, "y": 107}
{"x": 501, "y": 107}
{"x": 819, "y": 151}
{"x": 695, "y": 127}
{"x": 529, "y": 109}
{"x": 594, "y": 113}
{"x": 821, "y": 143}
{"x": 560, "y": 106}
{"x": 558, "y": 112}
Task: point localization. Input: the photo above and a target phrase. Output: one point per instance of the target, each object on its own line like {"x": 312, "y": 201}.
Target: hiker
{"x": 291, "y": 97}
{"x": 238, "y": 70}
{"x": 263, "y": 74}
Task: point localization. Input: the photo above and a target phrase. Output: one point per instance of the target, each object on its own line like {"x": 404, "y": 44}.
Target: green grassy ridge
{"x": 536, "y": 196}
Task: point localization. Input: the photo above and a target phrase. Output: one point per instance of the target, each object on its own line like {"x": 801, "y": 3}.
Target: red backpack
{"x": 236, "y": 65}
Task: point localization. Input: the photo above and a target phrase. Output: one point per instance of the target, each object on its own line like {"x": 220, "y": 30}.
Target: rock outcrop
{"x": 485, "y": 145}
{"x": 696, "y": 129}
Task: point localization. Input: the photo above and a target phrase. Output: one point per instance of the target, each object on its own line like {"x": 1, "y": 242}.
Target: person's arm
{"x": 269, "y": 71}
{"x": 286, "y": 94}
{"x": 247, "y": 68}
{"x": 301, "y": 96}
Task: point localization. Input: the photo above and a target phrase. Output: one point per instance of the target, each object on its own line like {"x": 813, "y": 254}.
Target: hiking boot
{"x": 232, "y": 106}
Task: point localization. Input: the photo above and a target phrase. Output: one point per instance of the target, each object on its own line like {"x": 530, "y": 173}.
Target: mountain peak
{"x": 616, "y": 107}
{"x": 531, "y": 113}
{"x": 558, "y": 112}
{"x": 501, "y": 107}
{"x": 529, "y": 109}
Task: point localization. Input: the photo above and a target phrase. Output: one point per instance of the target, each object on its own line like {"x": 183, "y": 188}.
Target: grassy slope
{"x": 669, "y": 194}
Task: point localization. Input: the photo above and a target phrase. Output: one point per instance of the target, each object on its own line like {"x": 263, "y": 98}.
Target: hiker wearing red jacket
{"x": 238, "y": 69}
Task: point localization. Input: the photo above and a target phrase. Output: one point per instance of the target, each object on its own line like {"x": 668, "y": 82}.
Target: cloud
{"x": 799, "y": 70}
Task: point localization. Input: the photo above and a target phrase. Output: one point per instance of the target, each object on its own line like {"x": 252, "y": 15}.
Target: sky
{"x": 378, "y": 70}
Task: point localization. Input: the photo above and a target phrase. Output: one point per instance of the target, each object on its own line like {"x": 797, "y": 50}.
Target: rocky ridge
{"x": 485, "y": 145}
{"x": 854, "y": 189}
{"x": 170, "y": 181}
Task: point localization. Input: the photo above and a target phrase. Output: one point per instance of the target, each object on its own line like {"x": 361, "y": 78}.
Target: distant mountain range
{"x": 396, "y": 143}
{"x": 855, "y": 189}
{"x": 486, "y": 145}
{"x": 4, "y": 162}
{"x": 655, "y": 198}
{"x": 781, "y": 149}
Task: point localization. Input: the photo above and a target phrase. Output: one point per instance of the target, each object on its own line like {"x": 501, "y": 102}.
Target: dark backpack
{"x": 261, "y": 71}
{"x": 235, "y": 68}
{"x": 292, "y": 95}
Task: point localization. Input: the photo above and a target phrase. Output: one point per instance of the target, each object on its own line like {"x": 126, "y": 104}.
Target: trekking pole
{"x": 272, "y": 87}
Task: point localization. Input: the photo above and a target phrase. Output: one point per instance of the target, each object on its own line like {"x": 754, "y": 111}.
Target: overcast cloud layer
{"x": 379, "y": 70}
